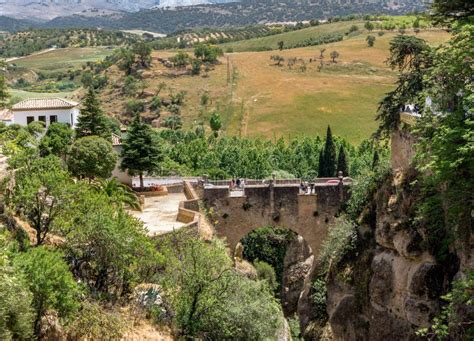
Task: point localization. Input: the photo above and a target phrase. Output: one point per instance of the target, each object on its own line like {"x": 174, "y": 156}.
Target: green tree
{"x": 141, "y": 150}
{"x": 334, "y": 55}
{"x": 196, "y": 66}
{"x": 4, "y": 94}
{"x": 342, "y": 164}
{"x": 214, "y": 302}
{"x": 16, "y": 313}
{"x": 50, "y": 281}
{"x": 118, "y": 193}
{"x": 181, "y": 59}
{"x": 110, "y": 244}
{"x": 215, "y": 123}
{"x": 92, "y": 120}
{"x": 281, "y": 44}
{"x": 451, "y": 11}
{"x": 143, "y": 51}
{"x": 410, "y": 55}
{"x": 321, "y": 164}
{"x": 329, "y": 169}
{"x": 57, "y": 140}
{"x": 42, "y": 191}
{"x": 370, "y": 41}
{"x": 266, "y": 272}
{"x": 369, "y": 26}
{"x": 134, "y": 107}
{"x": 207, "y": 53}
{"x": 92, "y": 157}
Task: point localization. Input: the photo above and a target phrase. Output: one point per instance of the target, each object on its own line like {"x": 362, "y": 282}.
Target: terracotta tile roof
{"x": 6, "y": 115}
{"x": 44, "y": 103}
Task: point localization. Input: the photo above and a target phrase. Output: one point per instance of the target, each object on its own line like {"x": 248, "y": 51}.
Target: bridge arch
{"x": 237, "y": 213}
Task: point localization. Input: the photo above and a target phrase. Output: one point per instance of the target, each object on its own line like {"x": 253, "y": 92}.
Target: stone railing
{"x": 188, "y": 211}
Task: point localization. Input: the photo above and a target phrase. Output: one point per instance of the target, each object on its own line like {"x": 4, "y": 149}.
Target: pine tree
{"x": 141, "y": 150}
{"x": 321, "y": 165}
{"x": 342, "y": 165}
{"x": 329, "y": 155}
{"x": 92, "y": 120}
{"x": 4, "y": 95}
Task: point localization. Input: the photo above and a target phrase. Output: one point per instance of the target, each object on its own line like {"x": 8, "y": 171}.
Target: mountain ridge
{"x": 231, "y": 14}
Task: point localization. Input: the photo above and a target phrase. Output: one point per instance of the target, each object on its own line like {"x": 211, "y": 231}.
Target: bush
{"x": 95, "y": 323}
{"x": 265, "y": 272}
{"x": 50, "y": 281}
{"x": 92, "y": 157}
{"x": 211, "y": 300}
{"x": 341, "y": 239}
{"x": 319, "y": 297}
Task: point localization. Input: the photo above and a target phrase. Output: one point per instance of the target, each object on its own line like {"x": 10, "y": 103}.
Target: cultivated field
{"x": 62, "y": 59}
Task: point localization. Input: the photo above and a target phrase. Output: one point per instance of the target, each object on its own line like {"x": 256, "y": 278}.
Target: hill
{"x": 247, "y": 12}
{"x": 257, "y": 98}
{"x": 254, "y": 95}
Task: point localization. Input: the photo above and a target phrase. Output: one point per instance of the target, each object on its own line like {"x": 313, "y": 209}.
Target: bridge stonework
{"x": 309, "y": 215}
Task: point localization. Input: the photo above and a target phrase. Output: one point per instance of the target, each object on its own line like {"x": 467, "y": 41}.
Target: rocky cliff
{"x": 390, "y": 286}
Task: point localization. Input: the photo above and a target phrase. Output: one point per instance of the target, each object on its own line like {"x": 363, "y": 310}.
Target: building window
{"x": 53, "y": 118}
{"x": 42, "y": 119}
{"x": 30, "y": 119}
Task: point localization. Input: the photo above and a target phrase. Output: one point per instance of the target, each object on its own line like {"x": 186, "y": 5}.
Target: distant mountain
{"x": 49, "y": 9}
{"x": 246, "y": 12}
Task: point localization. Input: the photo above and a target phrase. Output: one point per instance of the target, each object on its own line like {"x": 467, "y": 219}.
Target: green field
{"x": 62, "y": 59}
{"x": 290, "y": 38}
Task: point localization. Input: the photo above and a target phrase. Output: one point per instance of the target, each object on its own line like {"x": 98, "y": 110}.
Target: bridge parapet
{"x": 276, "y": 204}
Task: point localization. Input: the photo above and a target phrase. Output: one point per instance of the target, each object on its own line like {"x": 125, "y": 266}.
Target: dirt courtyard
{"x": 160, "y": 213}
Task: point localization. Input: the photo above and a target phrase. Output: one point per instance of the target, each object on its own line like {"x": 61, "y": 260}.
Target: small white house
{"x": 48, "y": 110}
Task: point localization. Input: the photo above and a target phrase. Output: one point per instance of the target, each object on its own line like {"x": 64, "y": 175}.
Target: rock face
{"x": 296, "y": 267}
{"x": 395, "y": 283}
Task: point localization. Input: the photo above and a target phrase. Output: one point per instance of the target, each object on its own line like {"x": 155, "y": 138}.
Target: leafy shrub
{"x": 95, "y": 323}
{"x": 266, "y": 272}
{"x": 341, "y": 239}
{"x": 319, "y": 297}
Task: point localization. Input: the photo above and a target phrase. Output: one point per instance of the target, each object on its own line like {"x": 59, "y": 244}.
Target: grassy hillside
{"x": 266, "y": 100}
{"x": 260, "y": 98}
{"x": 290, "y": 38}
{"x": 62, "y": 59}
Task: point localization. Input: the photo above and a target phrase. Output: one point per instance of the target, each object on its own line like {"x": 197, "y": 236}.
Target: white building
{"x": 48, "y": 110}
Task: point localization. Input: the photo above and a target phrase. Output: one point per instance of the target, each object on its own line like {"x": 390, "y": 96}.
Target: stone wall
{"x": 402, "y": 148}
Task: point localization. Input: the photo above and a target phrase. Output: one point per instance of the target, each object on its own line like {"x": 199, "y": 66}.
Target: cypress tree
{"x": 329, "y": 155}
{"x": 92, "y": 120}
{"x": 342, "y": 162}
{"x": 141, "y": 150}
{"x": 321, "y": 165}
{"x": 375, "y": 160}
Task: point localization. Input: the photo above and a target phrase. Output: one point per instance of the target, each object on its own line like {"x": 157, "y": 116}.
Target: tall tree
{"x": 342, "y": 165}
{"x": 329, "y": 155}
{"x": 92, "y": 120}
{"x": 4, "y": 95}
{"x": 141, "y": 150}
{"x": 321, "y": 165}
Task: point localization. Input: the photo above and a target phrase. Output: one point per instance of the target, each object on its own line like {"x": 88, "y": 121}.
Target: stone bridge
{"x": 276, "y": 203}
